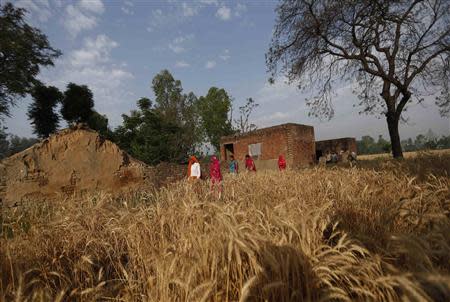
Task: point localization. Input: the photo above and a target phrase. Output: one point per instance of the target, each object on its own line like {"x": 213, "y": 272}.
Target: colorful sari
{"x": 250, "y": 164}
{"x": 281, "y": 163}
{"x": 214, "y": 170}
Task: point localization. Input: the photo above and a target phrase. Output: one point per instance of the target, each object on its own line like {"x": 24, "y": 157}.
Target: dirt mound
{"x": 73, "y": 162}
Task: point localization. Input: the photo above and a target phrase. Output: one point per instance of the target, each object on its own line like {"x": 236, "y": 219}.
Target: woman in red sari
{"x": 216, "y": 177}
{"x": 249, "y": 163}
{"x": 281, "y": 163}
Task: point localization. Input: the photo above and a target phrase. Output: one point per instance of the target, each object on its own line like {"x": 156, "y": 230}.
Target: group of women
{"x": 215, "y": 175}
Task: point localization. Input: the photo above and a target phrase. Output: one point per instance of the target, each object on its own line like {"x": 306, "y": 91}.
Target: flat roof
{"x": 262, "y": 131}
{"x": 336, "y": 139}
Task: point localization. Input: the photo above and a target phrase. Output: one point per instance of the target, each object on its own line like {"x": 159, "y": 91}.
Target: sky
{"x": 116, "y": 48}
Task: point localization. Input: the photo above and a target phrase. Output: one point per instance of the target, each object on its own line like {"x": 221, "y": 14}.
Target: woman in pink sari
{"x": 216, "y": 177}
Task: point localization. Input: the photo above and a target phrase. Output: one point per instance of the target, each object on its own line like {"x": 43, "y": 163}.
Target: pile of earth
{"x": 75, "y": 162}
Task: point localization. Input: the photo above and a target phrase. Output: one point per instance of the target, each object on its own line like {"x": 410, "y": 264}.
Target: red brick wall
{"x": 295, "y": 142}
{"x": 273, "y": 143}
{"x": 303, "y": 152}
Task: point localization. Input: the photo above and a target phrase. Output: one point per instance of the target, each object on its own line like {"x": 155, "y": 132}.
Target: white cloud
{"x": 177, "y": 45}
{"x": 210, "y": 64}
{"x": 189, "y": 10}
{"x": 95, "y": 6}
{"x": 240, "y": 9}
{"x": 38, "y": 10}
{"x": 95, "y": 51}
{"x": 176, "y": 12}
{"x": 209, "y": 2}
{"x": 127, "y": 7}
{"x": 82, "y": 16}
{"x": 182, "y": 64}
{"x": 93, "y": 65}
{"x": 158, "y": 19}
{"x": 225, "y": 56}
{"x": 223, "y": 13}
{"x": 176, "y": 48}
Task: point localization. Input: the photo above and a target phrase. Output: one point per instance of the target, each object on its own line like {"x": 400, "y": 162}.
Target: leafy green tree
{"x": 178, "y": 108}
{"x": 366, "y": 145}
{"x": 149, "y": 137}
{"x": 42, "y": 111}
{"x": 4, "y": 144}
{"x": 18, "y": 144}
{"x": 444, "y": 142}
{"x": 382, "y": 145}
{"x": 99, "y": 123}
{"x": 169, "y": 98}
{"x": 77, "y": 103}
{"x": 12, "y": 144}
{"x": 23, "y": 51}
{"x": 215, "y": 111}
{"x": 420, "y": 141}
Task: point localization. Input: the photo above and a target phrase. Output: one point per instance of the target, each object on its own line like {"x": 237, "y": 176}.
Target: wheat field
{"x": 410, "y": 154}
{"x": 319, "y": 234}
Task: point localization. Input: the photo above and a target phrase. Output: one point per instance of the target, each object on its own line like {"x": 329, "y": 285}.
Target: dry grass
{"x": 313, "y": 235}
{"x": 411, "y": 154}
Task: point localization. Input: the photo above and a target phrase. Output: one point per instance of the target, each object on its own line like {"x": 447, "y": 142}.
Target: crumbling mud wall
{"x": 71, "y": 163}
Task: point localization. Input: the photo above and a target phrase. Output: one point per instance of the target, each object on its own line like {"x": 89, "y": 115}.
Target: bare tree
{"x": 393, "y": 52}
{"x": 243, "y": 124}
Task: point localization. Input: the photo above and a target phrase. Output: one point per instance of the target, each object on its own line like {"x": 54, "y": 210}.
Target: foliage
{"x": 243, "y": 124}
{"x": 310, "y": 235}
{"x": 429, "y": 141}
{"x": 41, "y": 112}
{"x": 179, "y": 109}
{"x": 396, "y": 50}
{"x": 4, "y": 144}
{"x": 23, "y": 51}
{"x": 99, "y": 123}
{"x": 77, "y": 103}
{"x": 149, "y": 137}
{"x": 12, "y": 144}
{"x": 215, "y": 110}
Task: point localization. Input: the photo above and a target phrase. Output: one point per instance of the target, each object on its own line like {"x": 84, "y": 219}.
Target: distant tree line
{"x": 11, "y": 144}
{"x": 428, "y": 141}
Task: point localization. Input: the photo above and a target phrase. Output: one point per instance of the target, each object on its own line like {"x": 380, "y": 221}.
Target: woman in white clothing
{"x": 194, "y": 171}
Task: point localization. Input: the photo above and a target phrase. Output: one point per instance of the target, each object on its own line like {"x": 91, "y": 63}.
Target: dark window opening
{"x": 319, "y": 154}
{"x": 229, "y": 150}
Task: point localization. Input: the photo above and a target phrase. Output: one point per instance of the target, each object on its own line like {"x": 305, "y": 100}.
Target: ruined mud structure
{"x": 72, "y": 163}
{"x": 294, "y": 141}
{"x": 346, "y": 144}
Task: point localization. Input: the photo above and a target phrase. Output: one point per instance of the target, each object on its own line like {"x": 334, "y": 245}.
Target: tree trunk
{"x": 392, "y": 121}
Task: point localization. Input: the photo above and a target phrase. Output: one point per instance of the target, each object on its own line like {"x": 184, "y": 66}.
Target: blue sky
{"x": 116, "y": 47}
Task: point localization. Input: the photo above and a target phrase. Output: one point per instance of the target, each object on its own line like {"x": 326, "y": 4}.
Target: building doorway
{"x": 229, "y": 150}
{"x": 319, "y": 154}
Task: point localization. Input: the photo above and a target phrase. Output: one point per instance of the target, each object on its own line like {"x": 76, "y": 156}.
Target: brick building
{"x": 335, "y": 145}
{"x": 294, "y": 141}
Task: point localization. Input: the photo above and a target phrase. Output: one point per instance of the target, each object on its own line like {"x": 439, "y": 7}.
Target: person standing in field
{"x": 234, "y": 167}
{"x": 281, "y": 163}
{"x": 215, "y": 177}
{"x": 352, "y": 158}
{"x": 249, "y": 163}
{"x": 194, "y": 171}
